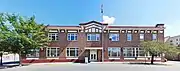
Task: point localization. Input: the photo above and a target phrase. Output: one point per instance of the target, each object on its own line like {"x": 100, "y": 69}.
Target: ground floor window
{"x": 52, "y": 52}
{"x": 133, "y": 52}
{"x": 72, "y": 52}
{"x": 114, "y": 52}
{"x": 33, "y": 53}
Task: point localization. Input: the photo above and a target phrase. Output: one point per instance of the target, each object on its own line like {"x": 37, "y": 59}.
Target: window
{"x": 33, "y": 53}
{"x": 176, "y": 39}
{"x": 93, "y": 37}
{"x": 139, "y": 52}
{"x": 141, "y": 36}
{"x": 129, "y": 52}
{"x": 52, "y": 52}
{"x": 53, "y": 36}
{"x": 133, "y": 52}
{"x": 129, "y": 37}
{"x": 154, "y": 36}
{"x": 72, "y": 36}
{"x": 72, "y": 52}
{"x": 114, "y": 37}
{"x": 114, "y": 52}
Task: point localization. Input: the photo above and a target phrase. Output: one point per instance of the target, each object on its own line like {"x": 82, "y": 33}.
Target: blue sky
{"x": 125, "y": 12}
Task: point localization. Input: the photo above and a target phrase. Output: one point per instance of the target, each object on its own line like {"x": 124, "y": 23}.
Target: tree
{"x": 154, "y": 48}
{"x": 22, "y": 33}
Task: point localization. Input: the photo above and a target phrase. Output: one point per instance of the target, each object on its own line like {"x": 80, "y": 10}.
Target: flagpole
{"x": 102, "y": 33}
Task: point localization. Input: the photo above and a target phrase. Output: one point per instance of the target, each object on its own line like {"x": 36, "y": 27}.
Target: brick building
{"x": 98, "y": 41}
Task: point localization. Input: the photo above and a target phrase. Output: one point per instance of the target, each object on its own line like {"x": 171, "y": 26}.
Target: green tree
{"x": 23, "y": 34}
{"x": 154, "y": 48}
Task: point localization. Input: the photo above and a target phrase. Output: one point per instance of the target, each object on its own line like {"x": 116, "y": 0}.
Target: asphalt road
{"x": 95, "y": 67}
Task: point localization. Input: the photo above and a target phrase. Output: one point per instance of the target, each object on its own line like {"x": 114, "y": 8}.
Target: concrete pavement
{"x": 106, "y": 66}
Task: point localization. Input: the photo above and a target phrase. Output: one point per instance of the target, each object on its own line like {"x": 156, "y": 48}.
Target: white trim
{"x": 53, "y": 30}
{"x": 93, "y": 26}
{"x": 69, "y": 51}
{"x": 113, "y": 31}
{"x": 157, "y": 58}
{"x": 142, "y": 58}
{"x": 161, "y": 31}
{"x": 129, "y": 58}
{"x": 113, "y": 58}
{"x": 50, "y": 51}
{"x": 73, "y": 31}
{"x": 93, "y": 48}
{"x": 52, "y": 58}
{"x": 62, "y": 31}
{"x": 32, "y": 58}
{"x": 71, "y": 57}
{"x": 135, "y": 31}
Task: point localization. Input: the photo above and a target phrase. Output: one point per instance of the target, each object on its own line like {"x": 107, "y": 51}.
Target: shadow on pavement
{"x": 146, "y": 64}
{"x": 11, "y": 66}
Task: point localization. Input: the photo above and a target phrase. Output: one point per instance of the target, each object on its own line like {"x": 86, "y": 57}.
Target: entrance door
{"x": 93, "y": 55}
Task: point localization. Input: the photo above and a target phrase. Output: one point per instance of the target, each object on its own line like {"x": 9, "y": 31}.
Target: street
{"x": 95, "y": 67}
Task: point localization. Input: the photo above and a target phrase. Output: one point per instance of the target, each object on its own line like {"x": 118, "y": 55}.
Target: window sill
{"x": 93, "y": 41}
{"x": 52, "y": 58}
{"x": 30, "y": 58}
{"x": 72, "y": 58}
{"x": 129, "y": 58}
{"x": 72, "y": 40}
{"x": 114, "y": 58}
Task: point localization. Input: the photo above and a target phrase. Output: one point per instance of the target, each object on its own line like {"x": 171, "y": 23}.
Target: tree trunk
{"x": 152, "y": 59}
{"x": 20, "y": 59}
{"x": 1, "y": 54}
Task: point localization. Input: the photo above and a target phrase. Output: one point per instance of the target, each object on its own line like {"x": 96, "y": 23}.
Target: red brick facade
{"x": 85, "y": 46}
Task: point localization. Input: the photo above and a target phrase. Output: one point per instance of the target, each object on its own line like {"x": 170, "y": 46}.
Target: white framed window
{"x": 140, "y": 52}
{"x": 53, "y": 36}
{"x": 129, "y": 37}
{"x": 154, "y": 36}
{"x": 52, "y": 52}
{"x": 133, "y": 52}
{"x": 114, "y": 52}
{"x": 114, "y": 37}
{"x": 72, "y": 36}
{"x": 129, "y": 52}
{"x": 72, "y": 52}
{"x": 141, "y": 37}
{"x": 33, "y": 53}
{"x": 93, "y": 37}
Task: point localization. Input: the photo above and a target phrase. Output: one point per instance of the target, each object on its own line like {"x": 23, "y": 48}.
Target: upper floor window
{"x": 72, "y": 52}
{"x": 93, "y": 37}
{"x": 114, "y": 52}
{"x": 154, "y": 36}
{"x": 176, "y": 39}
{"x": 129, "y": 37}
{"x": 72, "y": 36}
{"x": 141, "y": 37}
{"x": 114, "y": 37}
{"x": 53, "y": 36}
{"x": 52, "y": 52}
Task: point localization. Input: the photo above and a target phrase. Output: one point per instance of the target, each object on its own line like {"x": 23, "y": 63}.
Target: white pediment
{"x": 93, "y": 27}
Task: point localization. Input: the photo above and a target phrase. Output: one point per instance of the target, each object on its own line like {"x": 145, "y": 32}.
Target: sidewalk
{"x": 165, "y": 63}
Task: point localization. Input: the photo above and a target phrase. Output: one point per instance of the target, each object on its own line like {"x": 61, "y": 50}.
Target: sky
{"x": 118, "y": 12}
